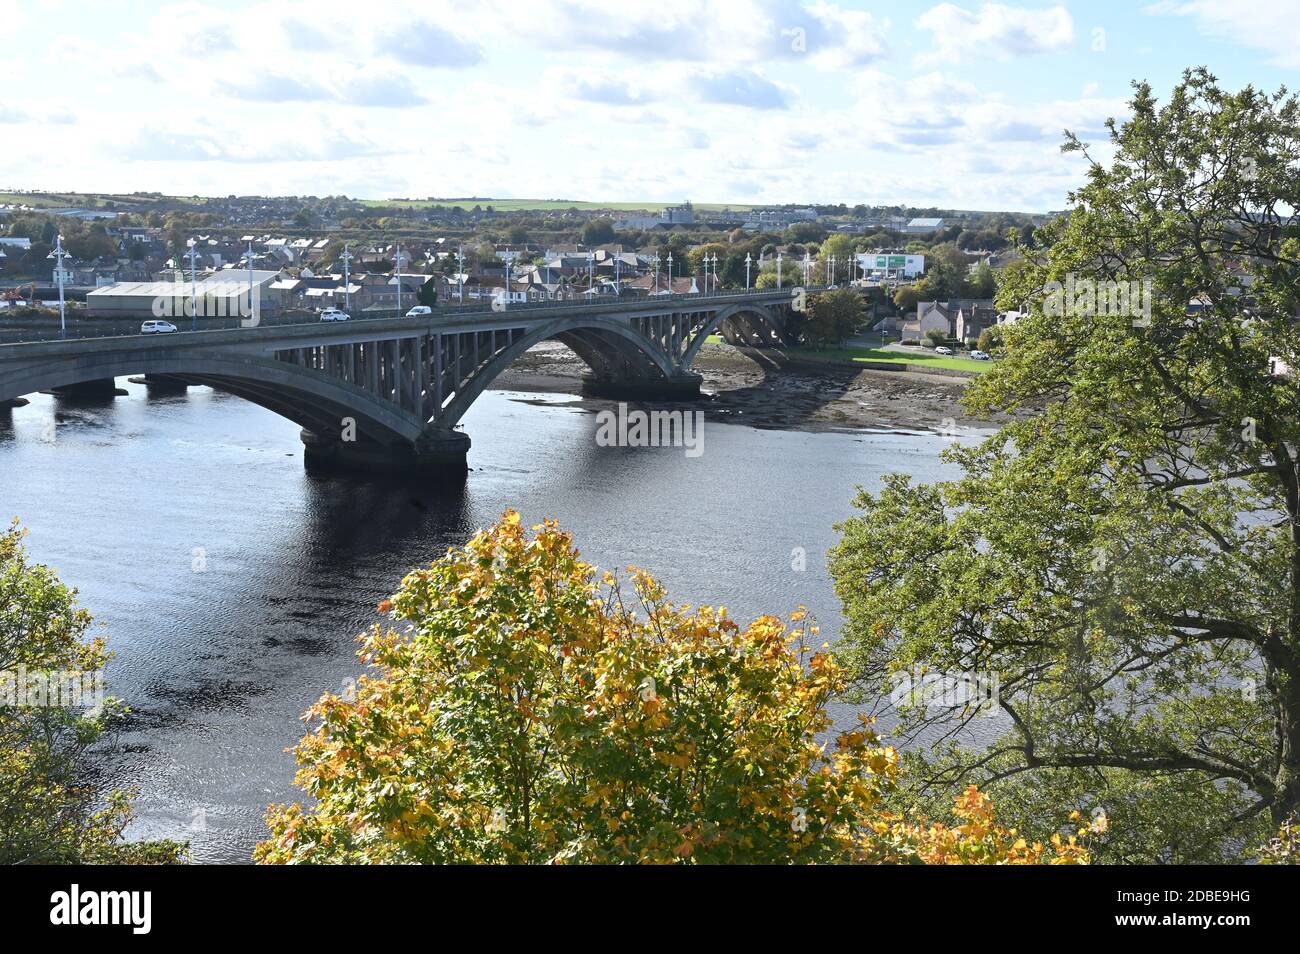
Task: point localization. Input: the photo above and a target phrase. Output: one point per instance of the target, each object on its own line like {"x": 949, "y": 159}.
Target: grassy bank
{"x": 917, "y": 360}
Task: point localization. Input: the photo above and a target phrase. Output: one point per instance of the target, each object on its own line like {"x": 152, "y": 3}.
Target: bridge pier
{"x": 95, "y": 388}
{"x": 438, "y": 454}
{"x": 161, "y": 382}
{"x": 679, "y": 387}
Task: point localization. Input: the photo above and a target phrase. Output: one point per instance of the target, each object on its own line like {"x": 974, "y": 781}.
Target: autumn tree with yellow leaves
{"x": 523, "y": 708}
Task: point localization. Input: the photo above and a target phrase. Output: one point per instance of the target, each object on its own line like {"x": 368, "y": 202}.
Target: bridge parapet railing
{"x": 84, "y": 328}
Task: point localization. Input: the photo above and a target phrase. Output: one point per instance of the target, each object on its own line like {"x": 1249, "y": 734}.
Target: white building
{"x": 886, "y": 265}
{"x": 921, "y": 226}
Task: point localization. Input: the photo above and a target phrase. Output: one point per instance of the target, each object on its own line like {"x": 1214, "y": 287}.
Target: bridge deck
{"x": 396, "y": 325}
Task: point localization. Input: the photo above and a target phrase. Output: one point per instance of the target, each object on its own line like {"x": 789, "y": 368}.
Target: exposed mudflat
{"x": 761, "y": 392}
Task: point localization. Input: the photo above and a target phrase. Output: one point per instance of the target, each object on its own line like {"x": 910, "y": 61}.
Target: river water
{"x": 231, "y": 584}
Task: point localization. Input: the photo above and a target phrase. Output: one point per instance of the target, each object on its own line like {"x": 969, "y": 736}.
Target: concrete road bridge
{"x": 387, "y": 394}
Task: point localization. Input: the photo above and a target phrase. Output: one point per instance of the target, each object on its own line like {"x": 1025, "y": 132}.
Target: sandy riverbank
{"x": 766, "y": 394}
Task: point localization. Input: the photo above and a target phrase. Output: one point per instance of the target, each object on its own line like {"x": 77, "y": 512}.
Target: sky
{"x": 954, "y": 105}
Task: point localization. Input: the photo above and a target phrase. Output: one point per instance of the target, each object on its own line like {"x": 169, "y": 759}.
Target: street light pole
{"x": 194, "y": 306}
{"x": 670, "y": 273}
{"x": 778, "y": 269}
{"x": 656, "y": 291}
{"x": 397, "y": 260}
{"x": 346, "y": 258}
{"x": 460, "y": 273}
{"x": 748, "y": 261}
{"x": 59, "y": 255}
{"x": 250, "y": 280}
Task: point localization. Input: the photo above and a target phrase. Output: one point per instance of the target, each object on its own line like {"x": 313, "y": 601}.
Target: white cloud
{"x": 203, "y": 141}
{"x": 379, "y": 86}
{"x": 275, "y": 88}
{"x": 597, "y": 86}
{"x": 740, "y": 88}
{"x": 425, "y": 43}
{"x": 1269, "y": 25}
{"x": 730, "y": 33}
{"x": 997, "y": 30}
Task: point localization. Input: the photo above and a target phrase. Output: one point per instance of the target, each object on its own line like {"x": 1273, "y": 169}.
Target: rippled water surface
{"x": 231, "y": 584}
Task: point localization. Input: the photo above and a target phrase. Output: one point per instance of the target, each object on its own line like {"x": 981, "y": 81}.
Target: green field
{"x": 920, "y": 359}
{"x": 42, "y": 201}
{"x": 92, "y": 200}
{"x": 544, "y": 205}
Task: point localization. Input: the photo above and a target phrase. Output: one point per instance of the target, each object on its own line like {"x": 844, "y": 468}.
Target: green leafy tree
{"x": 945, "y": 273}
{"x": 534, "y": 712}
{"x": 991, "y": 339}
{"x": 50, "y": 812}
{"x": 983, "y": 282}
{"x": 842, "y": 248}
{"x": 598, "y": 231}
{"x": 1125, "y": 556}
{"x": 791, "y": 274}
{"x": 906, "y": 297}
{"x": 428, "y": 293}
{"x": 834, "y": 316}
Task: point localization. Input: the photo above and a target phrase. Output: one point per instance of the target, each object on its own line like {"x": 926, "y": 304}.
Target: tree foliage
{"x": 1125, "y": 555}
{"x": 529, "y": 711}
{"x": 49, "y": 812}
{"x": 834, "y": 316}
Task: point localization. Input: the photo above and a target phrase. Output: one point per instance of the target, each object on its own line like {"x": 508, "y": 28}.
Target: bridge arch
{"x": 607, "y": 347}
{"x": 312, "y": 400}
{"x": 764, "y": 314}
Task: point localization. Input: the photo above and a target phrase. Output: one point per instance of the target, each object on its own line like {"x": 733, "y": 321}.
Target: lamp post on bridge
{"x": 460, "y": 274}
{"x": 778, "y": 269}
{"x": 713, "y": 261}
{"x": 807, "y": 265}
{"x": 59, "y": 255}
{"x": 749, "y": 260}
{"x": 656, "y": 260}
{"x": 670, "y": 273}
{"x": 591, "y": 272}
{"x": 346, "y": 259}
{"x": 397, "y": 260}
{"x": 194, "y": 302}
{"x": 250, "y": 280}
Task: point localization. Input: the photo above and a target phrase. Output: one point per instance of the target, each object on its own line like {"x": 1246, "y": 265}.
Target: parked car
{"x": 419, "y": 311}
{"x": 157, "y": 328}
{"x": 942, "y": 349}
{"x": 334, "y": 314}
{"x": 981, "y": 355}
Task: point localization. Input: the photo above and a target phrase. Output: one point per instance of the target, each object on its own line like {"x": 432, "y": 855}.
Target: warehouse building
{"x": 223, "y": 295}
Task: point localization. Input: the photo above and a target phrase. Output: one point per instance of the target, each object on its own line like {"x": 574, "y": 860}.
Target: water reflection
{"x": 232, "y": 584}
